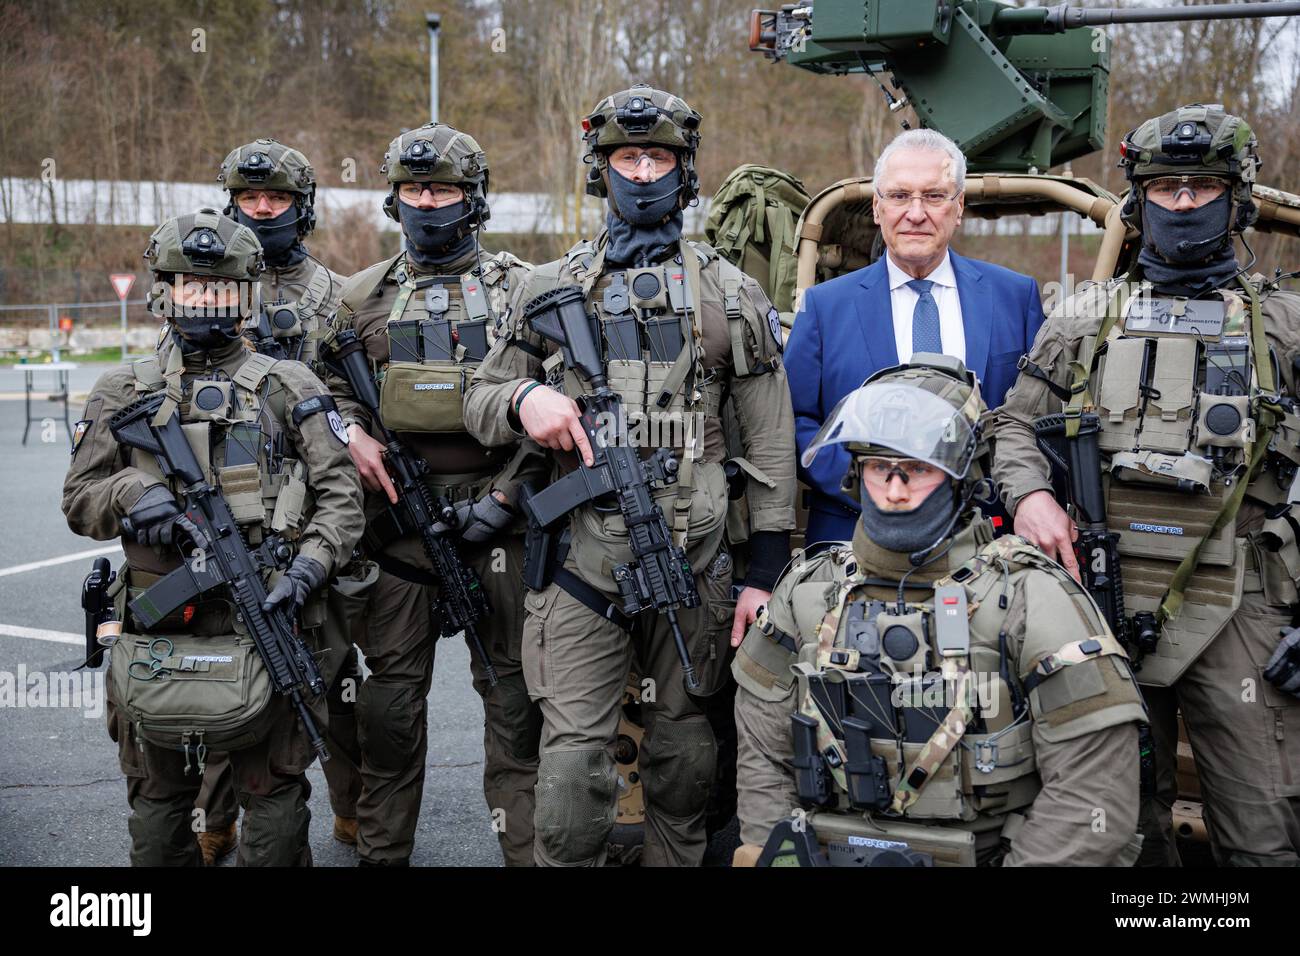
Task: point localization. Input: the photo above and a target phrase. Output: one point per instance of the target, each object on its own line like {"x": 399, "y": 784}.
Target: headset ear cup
{"x": 390, "y": 207}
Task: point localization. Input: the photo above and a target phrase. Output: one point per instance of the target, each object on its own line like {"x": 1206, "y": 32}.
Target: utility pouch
{"x": 1166, "y": 426}
{"x": 472, "y": 337}
{"x": 866, "y": 774}
{"x": 1161, "y": 523}
{"x": 1120, "y": 397}
{"x": 182, "y": 691}
{"x": 404, "y": 341}
{"x": 628, "y": 378}
{"x": 423, "y": 398}
{"x": 812, "y": 777}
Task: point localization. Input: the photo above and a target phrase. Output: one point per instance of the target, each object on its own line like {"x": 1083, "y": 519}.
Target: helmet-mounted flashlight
{"x": 256, "y": 168}
{"x": 419, "y": 157}
{"x": 203, "y": 247}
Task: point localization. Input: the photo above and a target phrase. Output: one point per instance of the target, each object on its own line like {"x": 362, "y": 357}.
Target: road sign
{"x": 122, "y": 282}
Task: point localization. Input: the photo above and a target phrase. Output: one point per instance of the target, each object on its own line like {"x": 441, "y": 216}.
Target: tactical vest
{"x": 1185, "y": 397}
{"x": 913, "y": 722}
{"x": 440, "y": 329}
{"x": 297, "y": 328}
{"x": 238, "y": 437}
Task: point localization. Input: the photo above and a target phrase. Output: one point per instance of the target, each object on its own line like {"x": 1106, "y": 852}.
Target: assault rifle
{"x": 460, "y": 592}
{"x": 659, "y": 575}
{"x": 227, "y": 562}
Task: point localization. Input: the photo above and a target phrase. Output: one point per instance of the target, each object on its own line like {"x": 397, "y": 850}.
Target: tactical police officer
{"x": 272, "y": 190}
{"x": 426, "y": 318}
{"x": 679, "y": 329}
{"x": 930, "y": 695}
{"x": 1185, "y": 386}
{"x": 268, "y": 437}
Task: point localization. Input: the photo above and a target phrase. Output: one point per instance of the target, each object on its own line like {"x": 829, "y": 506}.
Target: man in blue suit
{"x": 919, "y": 297}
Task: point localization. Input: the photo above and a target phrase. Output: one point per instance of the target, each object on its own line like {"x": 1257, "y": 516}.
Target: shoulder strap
{"x": 354, "y": 297}
{"x": 253, "y": 371}
{"x": 148, "y": 374}
{"x": 318, "y": 289}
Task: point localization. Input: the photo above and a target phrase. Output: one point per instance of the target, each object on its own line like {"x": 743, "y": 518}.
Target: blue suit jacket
{"x": 845, "y": 332}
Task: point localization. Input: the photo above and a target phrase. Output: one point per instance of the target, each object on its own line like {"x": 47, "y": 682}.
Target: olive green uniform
{"x": 104, "y": 482}
{"x": 315, "y": 290}
{"x": 575, "y": 660}
{"x": 398, "y": 633}
{"x": 1045, "y": 773}
{"x": 1244, "y": 733}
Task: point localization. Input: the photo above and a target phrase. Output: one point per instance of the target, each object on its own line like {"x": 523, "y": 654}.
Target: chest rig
{"x": 1186, "y": 403}
{"x": 440, "y": 329}
{"x": 289, "y": 327}
{"x": 235, "y": 426}
{"x": 916, "y": 710}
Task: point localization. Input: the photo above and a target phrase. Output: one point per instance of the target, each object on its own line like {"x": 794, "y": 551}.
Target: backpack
{"x": 752, "y": 225}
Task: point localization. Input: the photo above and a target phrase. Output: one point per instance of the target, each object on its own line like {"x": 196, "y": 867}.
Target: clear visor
{"x": 904, "y": 419}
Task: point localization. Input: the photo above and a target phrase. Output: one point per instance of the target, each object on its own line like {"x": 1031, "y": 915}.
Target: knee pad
{"x": 274, "y": 832}
{"x": 161, "y": 834}
{"x": 677, "y": 765}
{"x": 513, "y": 718}
{"x": 577, "y": 798}
{"x": 390, "y": 723}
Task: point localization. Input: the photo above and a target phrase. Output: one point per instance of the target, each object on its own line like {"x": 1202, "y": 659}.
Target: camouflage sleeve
{"x": 100, "y": 488}
{"x": 1085, "y": 733}
{"x": 1019, "y": 468}
{"x": 337, "y": 521}
{"x": 515, "y": 358}
{"x": 764, "y": 416}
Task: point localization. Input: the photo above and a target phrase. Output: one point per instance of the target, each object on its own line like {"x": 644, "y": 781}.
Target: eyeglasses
{"x": 249, "y": 199}
{"x": 629, "y": 158}
{"x": 442, "y": 193}
{"x": 1201, "y": 189}
{"x": 881, "y": 471}
{"x": 900, "y": 199}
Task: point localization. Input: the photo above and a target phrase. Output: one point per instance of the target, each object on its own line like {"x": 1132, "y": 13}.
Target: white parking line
{"x": 40, "y": 634}
{"x": 79, "y": 556}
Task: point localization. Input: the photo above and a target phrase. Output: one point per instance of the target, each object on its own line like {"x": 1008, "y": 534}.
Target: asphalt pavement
{"x": 62, "y": 795}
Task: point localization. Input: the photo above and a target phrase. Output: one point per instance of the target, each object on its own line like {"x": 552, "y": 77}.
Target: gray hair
{"x": 925, "y": 139}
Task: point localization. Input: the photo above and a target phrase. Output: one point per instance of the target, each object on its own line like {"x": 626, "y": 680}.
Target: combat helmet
{"x": 1193, "y": 140}
{"x": 204, "y": 243}
{"x": 437, "y": 153}
{"x": 267, "y": 164}
{"x": 636, "y": 116}
{"x": 928, "y": 409}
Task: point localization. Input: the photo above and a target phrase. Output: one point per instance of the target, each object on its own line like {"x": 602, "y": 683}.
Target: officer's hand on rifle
{"x": 749, "y": 603}
{"x": 304, "y": 576}
{"x": 1043, "y": 523}
{"x": 157, "y": 517}
{"x": 481, "y": 520}
{"x": 552, "y": 420}
{"x": 368, "y": 455}
{"x": 1283, "y": 669}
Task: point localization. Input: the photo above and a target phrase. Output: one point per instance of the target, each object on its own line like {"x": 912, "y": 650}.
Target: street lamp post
{"x": 434, "y": 23}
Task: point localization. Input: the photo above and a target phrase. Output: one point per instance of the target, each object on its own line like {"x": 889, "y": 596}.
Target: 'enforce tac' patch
{"x": 336, "y": 426}
{"x": 774, "y": 326}
{"x": 79, "y": 432}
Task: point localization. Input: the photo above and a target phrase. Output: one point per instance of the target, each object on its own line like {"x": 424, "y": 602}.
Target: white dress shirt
{"x": 903, "y": 300}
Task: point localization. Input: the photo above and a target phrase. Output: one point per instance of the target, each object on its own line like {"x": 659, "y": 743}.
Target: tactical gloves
{"x": 304, "y": 576}
{"x": 1283, "y": 669}
{"x": 479, "y": 521}
{"x": 156, "y": 518}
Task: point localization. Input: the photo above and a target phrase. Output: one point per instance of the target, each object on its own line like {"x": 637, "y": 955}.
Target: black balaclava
{"x": 206, "y": 329}
{"x": 1206, "y": 259}
{"x": 909, "y": 531}
{"x": 278, "y": 236}
{"x": 642, "y": 236}
{"x": 433, "y": 236}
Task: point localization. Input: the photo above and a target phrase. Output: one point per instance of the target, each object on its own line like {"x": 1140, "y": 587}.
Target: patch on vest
{"x": 774, "y": 326}
{"x": 337, "y": 428}
{"x": 433, "y": 386}
{"x": 79, "y": 432}
{"x": 1155, "y": 528}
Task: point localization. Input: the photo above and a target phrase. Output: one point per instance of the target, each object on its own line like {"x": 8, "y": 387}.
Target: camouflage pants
{"x": 163, "y": 784}
{"x": 576, "y": 664}
{"x": 396, "y": 637}
{"x": 1245, "y": 735}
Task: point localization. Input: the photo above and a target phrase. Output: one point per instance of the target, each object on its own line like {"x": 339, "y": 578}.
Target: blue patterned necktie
{"x": 925, "y": 318}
